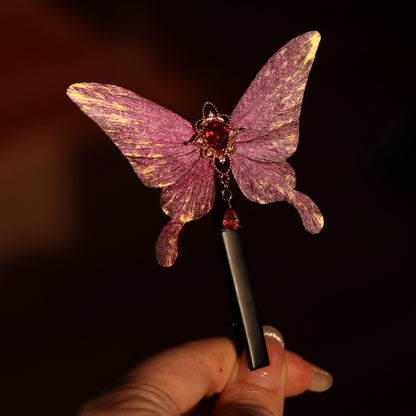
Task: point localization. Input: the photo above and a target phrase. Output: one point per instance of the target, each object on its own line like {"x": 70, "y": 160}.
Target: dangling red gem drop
{"x": 230, "y": 221}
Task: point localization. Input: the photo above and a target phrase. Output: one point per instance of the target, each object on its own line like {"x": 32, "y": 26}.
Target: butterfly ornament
{"x": 251, "y": 145}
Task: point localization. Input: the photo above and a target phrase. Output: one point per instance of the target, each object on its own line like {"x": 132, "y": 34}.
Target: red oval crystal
{"x": 217, "y": 135}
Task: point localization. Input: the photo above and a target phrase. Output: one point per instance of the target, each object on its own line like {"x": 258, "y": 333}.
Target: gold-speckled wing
{"x": 269, "y": 111}
{"x": 150, "y": 136}
{"x": 190, "y": 198}
{"x": 153, "y": 138}
{"x": 270, "y": 108}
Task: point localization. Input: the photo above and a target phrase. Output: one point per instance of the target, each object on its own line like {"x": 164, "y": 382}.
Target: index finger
{"x": 172, "y": 382}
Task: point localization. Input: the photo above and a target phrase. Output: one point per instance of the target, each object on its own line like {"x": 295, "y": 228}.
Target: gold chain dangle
{"x": 226, "y": 191}
{"x": 230, "y": 221}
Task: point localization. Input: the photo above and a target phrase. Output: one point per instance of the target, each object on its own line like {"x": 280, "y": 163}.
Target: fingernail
{"x": 322, "y": 380}
{"x": 271, "y": 332}
{"x": 269, "y": 377}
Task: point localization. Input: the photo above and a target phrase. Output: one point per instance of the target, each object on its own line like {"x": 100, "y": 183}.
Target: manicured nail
{"x": 269, "y": 377}
{"x": 271, "y": 332}
{"x": 321, "y": 381}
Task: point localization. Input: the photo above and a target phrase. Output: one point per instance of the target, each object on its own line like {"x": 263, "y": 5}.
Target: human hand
{"x": 184, "y": 380}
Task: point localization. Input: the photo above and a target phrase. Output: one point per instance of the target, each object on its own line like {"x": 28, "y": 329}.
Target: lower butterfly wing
{"x": 266, "y": 182}
{"x": 269, "y": 110}
{"x": 190, "y": 198}
{"x": 149, "y": 136}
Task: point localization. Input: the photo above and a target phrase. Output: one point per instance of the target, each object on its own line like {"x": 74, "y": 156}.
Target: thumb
{"x": 260, "y": 392}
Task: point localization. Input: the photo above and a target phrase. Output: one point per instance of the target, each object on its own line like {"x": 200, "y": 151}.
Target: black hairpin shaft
{"x": 243, "y": 296}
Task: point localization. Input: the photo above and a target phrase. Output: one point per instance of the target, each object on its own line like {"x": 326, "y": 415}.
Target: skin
{"x": 207, "y": 377}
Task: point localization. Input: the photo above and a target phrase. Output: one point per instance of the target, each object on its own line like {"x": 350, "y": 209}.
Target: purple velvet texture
{"x": 152, "y": 139}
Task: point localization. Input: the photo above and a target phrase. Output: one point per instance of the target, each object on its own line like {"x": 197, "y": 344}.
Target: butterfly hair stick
{"x": 185, "y": 160}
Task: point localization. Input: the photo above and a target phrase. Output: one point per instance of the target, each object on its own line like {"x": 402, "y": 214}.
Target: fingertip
{"x": 322, "y": 380}
{"x": 303, "y": 376}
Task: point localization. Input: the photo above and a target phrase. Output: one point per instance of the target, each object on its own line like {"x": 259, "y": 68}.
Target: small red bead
{"x": 230, "y": 221}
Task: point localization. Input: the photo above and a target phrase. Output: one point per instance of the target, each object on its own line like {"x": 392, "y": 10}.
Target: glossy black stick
{"x": 248, "y": 323}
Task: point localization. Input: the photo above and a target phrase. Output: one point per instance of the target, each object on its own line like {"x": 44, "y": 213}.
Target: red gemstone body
{"x": 230, "y": 221}
{"x": 217, "y": 135}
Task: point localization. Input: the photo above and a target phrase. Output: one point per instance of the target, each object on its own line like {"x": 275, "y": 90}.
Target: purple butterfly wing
{"x": 191, "y": 198}
{"x": 150, "y": 136}
{"x": 269, "y": 111}
{"x": 270, "y": 108}
{"x": 269, "y": 182}
{"x": 152, "y": 139}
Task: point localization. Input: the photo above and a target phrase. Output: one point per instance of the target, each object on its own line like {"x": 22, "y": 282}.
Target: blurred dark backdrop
{"x": 81, "y": 296}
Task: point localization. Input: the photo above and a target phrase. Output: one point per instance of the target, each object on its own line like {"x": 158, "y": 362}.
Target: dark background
{"x": 81, "y": 296}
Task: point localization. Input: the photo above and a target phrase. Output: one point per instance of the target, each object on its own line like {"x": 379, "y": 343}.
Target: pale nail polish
{"x": 322, "y": 380}
{"x": 272, "y": 332}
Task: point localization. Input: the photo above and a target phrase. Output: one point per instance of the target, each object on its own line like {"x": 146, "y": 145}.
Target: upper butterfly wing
{"x": 270, "y": 108}
{"x": 150, "y": 136}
